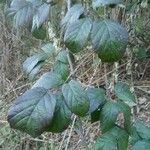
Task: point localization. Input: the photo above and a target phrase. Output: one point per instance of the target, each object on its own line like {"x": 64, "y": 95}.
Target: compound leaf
{"x": 62, "y": 116}
{"x": 33, "y": 111}
{"x": 114, "y": 139}
{"x": 123, "y": 92}
{"x": 77, "y": 33}
{"x": 109, "y": 40}
{"x": 49, "y": 80}
{"x": 76, "y": 98}
{"x": 96, "y": 97}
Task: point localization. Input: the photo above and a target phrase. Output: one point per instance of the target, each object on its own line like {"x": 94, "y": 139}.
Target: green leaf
{"x": 33, "y": 111}
{"x": 76, "y": 98}
{"x": 61, "y": 69}
{"x": 95, "y": 116}
{"x": 49, "y": 80}
{"x": 114, "y": 139}
{"x": 72, "y": 15}
{"x": 76, "y": 35}
{"x": 126, "y": 110}
{"x": 62, "y": 56}
{"x": 109, "y": 115}
{"x": 123, "y": 92}
{"x": 109, "y": 40}
{"x": 39, "y": 33}
{"x": 141, "y": 53}
{"x": 31, "y": 62}
{"x": 134, "y": 137}
{"x": 62, "y": 116}
{"x": 142, "y": 145}
{"x": 22, "y": 11}
{"x": 41, "y": 15}
{"x": 48, "y": 49}
{"x": 2, "y": 1}
{"x": 96, "y": 97}
{"x": 35, "y": 70}
{"x": 97, "y": 3}
{"x": 143, "y": 131}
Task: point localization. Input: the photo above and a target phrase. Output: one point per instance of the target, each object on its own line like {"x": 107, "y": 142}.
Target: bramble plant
{"x": 57, "y": 95}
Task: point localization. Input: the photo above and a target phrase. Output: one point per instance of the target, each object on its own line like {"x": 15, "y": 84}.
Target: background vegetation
{"x": 16, "y": 46}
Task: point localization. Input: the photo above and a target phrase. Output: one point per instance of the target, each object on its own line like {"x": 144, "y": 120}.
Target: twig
{"x": 62, "y": 141}
{"x": 106, "y": 80}
{"x": 70, "y": 132}
{"x": 91, "y": 79}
